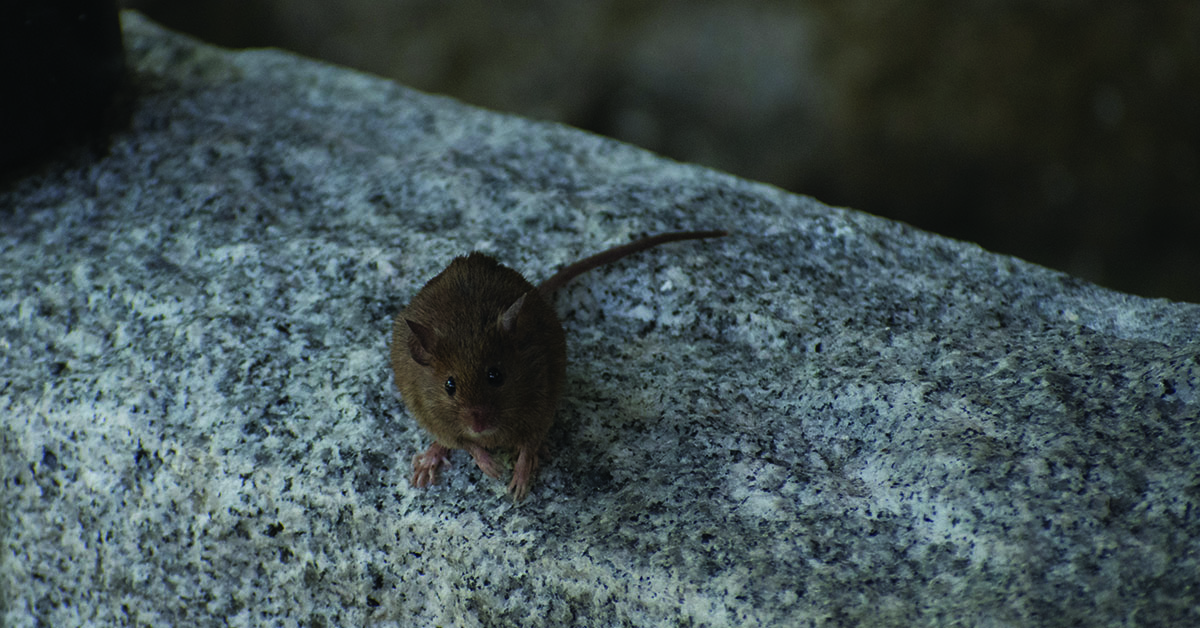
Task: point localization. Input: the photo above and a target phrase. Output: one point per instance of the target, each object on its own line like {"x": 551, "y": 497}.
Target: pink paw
{"x": 425, "y": 466}
{"x": 484, "y": 460}
{"x": 527, "y": 462}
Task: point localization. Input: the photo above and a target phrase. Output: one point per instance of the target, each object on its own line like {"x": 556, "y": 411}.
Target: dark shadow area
{"x": 1062, "y": 133}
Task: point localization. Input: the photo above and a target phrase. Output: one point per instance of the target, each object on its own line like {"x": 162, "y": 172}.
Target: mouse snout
{"x": 480, "y": 419}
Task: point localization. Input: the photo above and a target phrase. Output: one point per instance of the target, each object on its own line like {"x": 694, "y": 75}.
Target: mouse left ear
{"x": 422, "y": 343}
{"x": 508, "y": 320}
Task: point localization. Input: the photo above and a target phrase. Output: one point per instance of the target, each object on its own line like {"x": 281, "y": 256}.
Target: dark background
{"x": 1065, "y": 132}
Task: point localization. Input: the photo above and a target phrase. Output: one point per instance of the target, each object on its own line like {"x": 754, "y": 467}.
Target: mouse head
{"x": 471, "y": 363}
{"x": 482, "y": 372}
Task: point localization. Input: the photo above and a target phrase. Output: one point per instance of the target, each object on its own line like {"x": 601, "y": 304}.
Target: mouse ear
{"x": 508, "y": 320}
{"x": 422, "y": 343}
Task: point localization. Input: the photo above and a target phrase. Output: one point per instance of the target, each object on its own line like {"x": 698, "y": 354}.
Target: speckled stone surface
{"x": 824, "y": 419}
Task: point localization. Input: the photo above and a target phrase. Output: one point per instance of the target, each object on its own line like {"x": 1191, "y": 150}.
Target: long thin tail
{"x": 611, "y": 255}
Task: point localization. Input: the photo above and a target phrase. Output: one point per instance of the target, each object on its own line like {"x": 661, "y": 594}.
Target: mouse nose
{"x": 481, "y": 419}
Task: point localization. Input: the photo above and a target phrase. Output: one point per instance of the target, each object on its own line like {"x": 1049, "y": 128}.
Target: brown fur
{"x": 477, "y": 316}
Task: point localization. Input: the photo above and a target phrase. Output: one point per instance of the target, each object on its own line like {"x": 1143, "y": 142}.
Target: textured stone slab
{"x": 824, "y": 419}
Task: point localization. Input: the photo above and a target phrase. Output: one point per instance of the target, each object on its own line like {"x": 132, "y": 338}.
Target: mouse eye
{"x": 495, "y": 377}
{"x": 450, "y": 389}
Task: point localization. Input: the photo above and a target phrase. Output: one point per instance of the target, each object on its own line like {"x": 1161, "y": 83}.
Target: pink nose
{"x": 481, "y": 419}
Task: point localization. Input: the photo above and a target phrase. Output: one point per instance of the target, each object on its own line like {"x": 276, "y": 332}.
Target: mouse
{"x": 480, "y": 356}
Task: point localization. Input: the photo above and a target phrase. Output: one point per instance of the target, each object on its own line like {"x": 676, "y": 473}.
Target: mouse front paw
{"x": 425, "y": 466}
{"x": 484, "y": 460}
{"x": 527, "y": 462}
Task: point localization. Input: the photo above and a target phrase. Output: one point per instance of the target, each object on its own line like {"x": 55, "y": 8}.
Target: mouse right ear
{"x": 422, "y": 343}
{"x": 508, "y": 320}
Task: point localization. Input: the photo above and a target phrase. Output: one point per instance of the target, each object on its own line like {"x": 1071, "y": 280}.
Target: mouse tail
{"x": 611, "y": 255}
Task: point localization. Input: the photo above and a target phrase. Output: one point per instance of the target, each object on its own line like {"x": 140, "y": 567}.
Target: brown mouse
{"x": 479, "y": 356}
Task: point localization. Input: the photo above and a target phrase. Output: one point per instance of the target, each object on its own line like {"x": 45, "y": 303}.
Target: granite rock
{"x": 824, "y": 419}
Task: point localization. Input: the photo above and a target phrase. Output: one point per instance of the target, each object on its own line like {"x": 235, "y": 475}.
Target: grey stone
{"x": 824, "y": 419}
